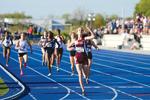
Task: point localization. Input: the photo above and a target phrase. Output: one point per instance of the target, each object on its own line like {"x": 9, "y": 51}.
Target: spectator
{"x": 137, "y": 40}
{"x": 30, "y": 31}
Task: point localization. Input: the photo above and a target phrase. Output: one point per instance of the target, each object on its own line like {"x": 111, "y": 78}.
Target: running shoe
{"x": 72, "y": 73}
{"x": 25, "y": 65}
{"x": 83, "y": 93}
{"x": 6, "y": 65}
{"x": 49, "y": 74}
{"x": 21, "y": 73}
{"x": 57, "y": 69}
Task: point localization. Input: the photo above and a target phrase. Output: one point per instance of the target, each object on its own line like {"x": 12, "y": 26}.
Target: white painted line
{"x": 116, "y": 89}
{"x": 43, "y": 87}
{"x": 108, "y": 74}
{"x": 116, "y": 94}
{"x": 105, "y": 74}
{"x": 32, "y": 96}
{"x": 121, "y": 68}
{"x": 140, "y": 87}
{"x": 124, "y": 56}
{"x": 126, "y": 59}
{"x": 117, "y": 68}
{"x": 68, "y": 90}
{"x": 17, "y": 81}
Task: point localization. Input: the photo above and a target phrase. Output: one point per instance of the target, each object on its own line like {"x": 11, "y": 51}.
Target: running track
{"x": 114, "y": 75}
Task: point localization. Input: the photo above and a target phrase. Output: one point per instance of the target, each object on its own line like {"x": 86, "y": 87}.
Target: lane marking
{"x": 105, "y": 74}
{"x": 123, "y": 56}
{"x": 33, "y": 97}
{"x": 116, "y": 89}
{"x": 17, "y": 81}
{"x": 115, "y": 92}
{"x": 119, "y": 68}
{"x": 69, "y": 90}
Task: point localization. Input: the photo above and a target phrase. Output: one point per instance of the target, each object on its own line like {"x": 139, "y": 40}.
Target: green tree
{"x": 99, "y": 21}
{"x": 112, "y": 17}
{"x": 143, "y": 7}
{"x": 16, "y": 15}
{"x": 66, "y": 17}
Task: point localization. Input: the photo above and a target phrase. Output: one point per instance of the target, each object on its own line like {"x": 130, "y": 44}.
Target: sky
{"x": 43, "y": 8}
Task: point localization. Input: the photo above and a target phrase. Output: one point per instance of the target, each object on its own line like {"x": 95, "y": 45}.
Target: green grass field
{"x": 3, "y": 88}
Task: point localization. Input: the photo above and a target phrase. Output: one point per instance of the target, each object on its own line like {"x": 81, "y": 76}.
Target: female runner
{"x": 50, "y": 46}
{"x": 41, "y": 44}
{"x": 89, "y": 44}
{"x": 72, "y": 51}
{"x": 22, "y": 46}
{"x": 81, "y": 57}
{"x": 59, "y": 50}
{"x": 7, "y": 43}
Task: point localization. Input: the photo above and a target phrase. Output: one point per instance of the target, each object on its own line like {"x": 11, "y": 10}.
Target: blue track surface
{"x": 114, "y": 75}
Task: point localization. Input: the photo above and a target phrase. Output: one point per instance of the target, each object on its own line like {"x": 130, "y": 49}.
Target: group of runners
{"x": 79, "y": 45}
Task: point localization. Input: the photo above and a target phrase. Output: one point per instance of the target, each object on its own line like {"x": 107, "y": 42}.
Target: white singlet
{"x": 23, "y": 46}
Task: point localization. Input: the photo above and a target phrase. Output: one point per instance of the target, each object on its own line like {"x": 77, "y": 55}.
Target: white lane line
{"x": 126, "y": 59}
{"x": 123, "y": 56}
{"x": 115, "y": 89}
{"x": 132, "y": 55}
{"x": 118, "y": 76}
{"x": 119, "y": 68}
{"x": 33, "y": 97}
{"x": 131, "y": 80}
{"x": 116, "y": 94}
{"x": 45, "y": 88}
{"x": 123, "y": 69}
{"x": 23, "y": 89}
{"x": 114, "y": 62}
{"x": 116, "y": 68}
{"x": 123, "y": 64}
{"x": 68, "y": 90}
{"x": 110, "y": 54}
{"x": 17, "y": 81}
{"x": 78, "y": 87}
{"x": 105, "y": 74}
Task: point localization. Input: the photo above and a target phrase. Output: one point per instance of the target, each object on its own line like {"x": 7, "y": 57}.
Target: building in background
{"x": 49, "y": 24}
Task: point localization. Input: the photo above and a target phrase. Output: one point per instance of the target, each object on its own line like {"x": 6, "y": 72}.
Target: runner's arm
{"x": 92, "y": 34}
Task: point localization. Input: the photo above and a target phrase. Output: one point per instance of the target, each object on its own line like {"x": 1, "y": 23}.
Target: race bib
{"x": 80, "y": 49}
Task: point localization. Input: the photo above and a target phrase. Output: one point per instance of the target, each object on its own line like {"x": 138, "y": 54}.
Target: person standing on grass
{"x": 41, "y": 44}
{"x": 49, "y": 46}
{"x": 59, "y": 49}
{"x": 72, "y": 51}
{"x": 80, "y": 56}
{"x": 22, "y": 46}
{"x": 7, "y": 43}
